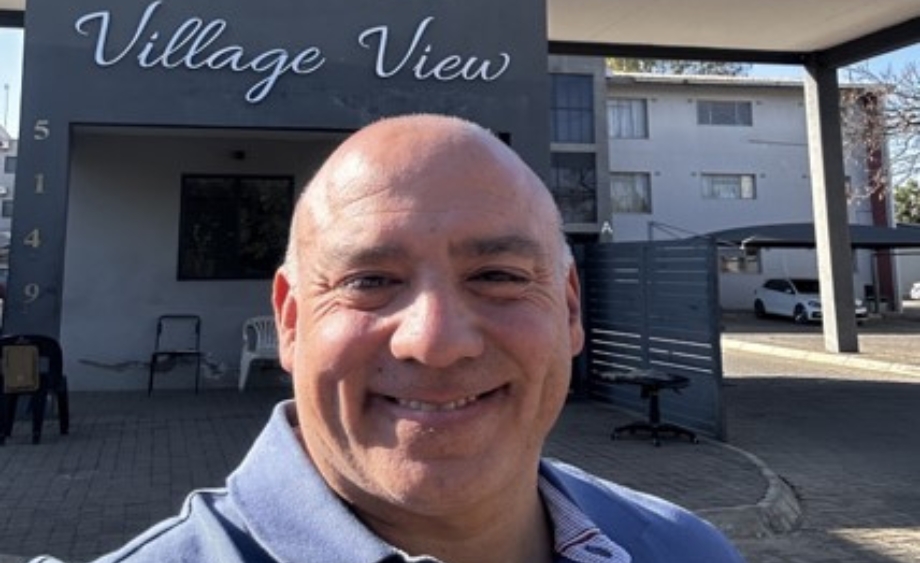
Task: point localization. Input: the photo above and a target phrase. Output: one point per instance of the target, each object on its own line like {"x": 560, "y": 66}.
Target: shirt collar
{"x": 283, "y": 498}
{"x": 577, "y": 538}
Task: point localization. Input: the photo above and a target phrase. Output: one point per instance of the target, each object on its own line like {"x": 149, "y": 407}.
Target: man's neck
{"x": 512, "y": 531}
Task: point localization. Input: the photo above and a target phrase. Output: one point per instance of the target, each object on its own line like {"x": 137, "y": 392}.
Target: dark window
{"x": 7, "y": 208}
{"x": 717, "y": 112}
{"x": 738, "y": 261}
{"x": 573, "y": 181}
{"x": 233, "y": 227}
{"x": 572, "y": 100}
{"x": 9, "y": 165}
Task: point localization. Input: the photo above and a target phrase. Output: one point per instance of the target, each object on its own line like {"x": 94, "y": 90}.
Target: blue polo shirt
{"x": 277, "y": 509}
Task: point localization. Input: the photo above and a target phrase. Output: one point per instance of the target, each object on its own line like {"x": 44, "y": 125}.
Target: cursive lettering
{"x": 194, "y": 45}
{"x": 423, "y": 64}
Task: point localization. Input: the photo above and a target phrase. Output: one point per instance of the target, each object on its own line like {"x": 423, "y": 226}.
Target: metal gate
{"x": 656, "y": 305}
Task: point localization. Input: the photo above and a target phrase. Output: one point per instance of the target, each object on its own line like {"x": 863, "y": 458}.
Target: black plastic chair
{"x": 178, "y": 336}
{"x": 35, "y": 358}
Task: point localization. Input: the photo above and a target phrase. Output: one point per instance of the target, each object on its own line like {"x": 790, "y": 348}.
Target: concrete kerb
{"x": 821, "y": 357}
{"x": 778, "y": 512}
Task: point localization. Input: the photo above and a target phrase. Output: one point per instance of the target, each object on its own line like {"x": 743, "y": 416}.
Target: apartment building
{"x": 8, "y": 158}
{"x": 682, "y": 156}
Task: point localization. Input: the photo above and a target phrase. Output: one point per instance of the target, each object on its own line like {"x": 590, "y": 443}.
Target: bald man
{"x": 428, "y": 311}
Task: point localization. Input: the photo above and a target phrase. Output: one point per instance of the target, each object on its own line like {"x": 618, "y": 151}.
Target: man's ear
{"x": 284, "y": 303}
{"x": 573, "y": 301}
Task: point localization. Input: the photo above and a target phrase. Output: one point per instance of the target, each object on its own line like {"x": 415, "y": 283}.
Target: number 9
{"x": 31, "y": 291}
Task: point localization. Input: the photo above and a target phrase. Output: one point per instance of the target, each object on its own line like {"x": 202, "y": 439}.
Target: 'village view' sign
{"x": 196, "y": 44}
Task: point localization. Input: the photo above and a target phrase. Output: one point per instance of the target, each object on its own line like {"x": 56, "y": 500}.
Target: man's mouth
{"x": 423, "y": 406}
{"x": 449, "y": 406}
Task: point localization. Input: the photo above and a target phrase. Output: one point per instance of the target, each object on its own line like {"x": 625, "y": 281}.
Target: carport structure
{"x": 819, "y": 35}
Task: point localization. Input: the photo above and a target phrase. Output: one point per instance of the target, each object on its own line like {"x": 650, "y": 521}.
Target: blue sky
{"x": 11, "y": 73}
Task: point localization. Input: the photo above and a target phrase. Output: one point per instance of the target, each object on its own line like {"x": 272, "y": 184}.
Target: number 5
{"x": 42, "y": 129}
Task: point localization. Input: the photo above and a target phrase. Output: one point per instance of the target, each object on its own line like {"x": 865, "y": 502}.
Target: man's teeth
{"x": 434, "y": 407}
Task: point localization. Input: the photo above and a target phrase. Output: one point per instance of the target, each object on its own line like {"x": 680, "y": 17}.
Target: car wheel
{"x": 759, "y": 310}
{"x": 799, "y": 315}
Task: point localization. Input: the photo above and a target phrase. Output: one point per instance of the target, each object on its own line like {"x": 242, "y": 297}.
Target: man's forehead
{"x": 386, "y": 249}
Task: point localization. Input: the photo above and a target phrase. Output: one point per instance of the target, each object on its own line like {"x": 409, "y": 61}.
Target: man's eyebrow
{"x": 493, "y": 246}
{"x": 353, "y": 255}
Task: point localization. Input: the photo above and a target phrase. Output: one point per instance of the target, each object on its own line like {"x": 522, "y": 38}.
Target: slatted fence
{"x": 655, "y": 305}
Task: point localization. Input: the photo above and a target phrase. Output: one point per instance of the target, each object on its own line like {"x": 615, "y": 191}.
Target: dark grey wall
{"x": 273, "y": 64}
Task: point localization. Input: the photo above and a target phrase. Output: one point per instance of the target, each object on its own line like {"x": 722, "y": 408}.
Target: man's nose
{"x": 437, "y": 329}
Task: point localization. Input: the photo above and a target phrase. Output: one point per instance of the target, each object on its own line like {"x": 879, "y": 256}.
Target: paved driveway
{"x": 847, "y": 440}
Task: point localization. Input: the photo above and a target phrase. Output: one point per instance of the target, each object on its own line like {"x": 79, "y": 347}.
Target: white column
{"x": 829, "y": 198}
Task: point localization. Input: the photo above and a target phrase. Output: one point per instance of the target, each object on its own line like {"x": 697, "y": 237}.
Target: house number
{"x": 31, "y": 291}
{"x": 33, "y": 239}
{"x": 42, "y": 129}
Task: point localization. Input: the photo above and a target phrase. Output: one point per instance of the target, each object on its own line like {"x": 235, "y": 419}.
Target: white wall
{"x": 908, "y": 261}
{"x": 678, "y": 151}
{"x": 122, "y": 249}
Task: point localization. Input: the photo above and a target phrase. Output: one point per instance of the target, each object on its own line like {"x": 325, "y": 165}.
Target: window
{"x": 729, "y": 186}
{"x": 716, "y": 112}
{"x": 631, "y": 192}
{"x": 738, "y": 261}
{"x": 572, "y": 103}
{"x": 9, "y": 165}
{"x": 628, "y": 118}
{"x": 573, "y": 181}
{"x": 7, "y": 210}
{"x": 233, "y": 227}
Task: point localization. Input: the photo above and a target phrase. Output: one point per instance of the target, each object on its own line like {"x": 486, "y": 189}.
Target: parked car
{"x": 915, "y": 290}
{"x": 797, "y": 298}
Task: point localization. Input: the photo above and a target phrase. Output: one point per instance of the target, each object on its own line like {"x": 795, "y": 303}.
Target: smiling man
{"x": 428, "y": 310}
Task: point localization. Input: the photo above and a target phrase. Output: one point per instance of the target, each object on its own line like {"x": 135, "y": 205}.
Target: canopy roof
{"x": 802, "y": 235}
{"x": 838, "y": 32}
{"x": 781, "y": 31}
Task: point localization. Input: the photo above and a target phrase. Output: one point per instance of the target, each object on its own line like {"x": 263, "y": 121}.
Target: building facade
{"x": 690, "y": 156}
{"x": 163, "y": 182}
{"x": 162, "y": 179}
{"x": 8, "y": 158}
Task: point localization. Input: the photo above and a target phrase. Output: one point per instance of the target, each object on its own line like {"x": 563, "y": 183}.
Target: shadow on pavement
{"x": 850, "y": 448}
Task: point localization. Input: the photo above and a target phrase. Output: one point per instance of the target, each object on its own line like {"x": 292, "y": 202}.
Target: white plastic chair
{"x": 260, "y": 343}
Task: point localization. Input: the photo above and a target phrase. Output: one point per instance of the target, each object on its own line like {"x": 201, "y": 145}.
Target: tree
{"x": 658, "y": 66}
{"x": 890, "y": 123}
{"x": 907, "y": 202}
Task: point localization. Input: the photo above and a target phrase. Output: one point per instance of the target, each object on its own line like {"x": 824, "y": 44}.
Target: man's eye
{"x": 500, "y": 276}
{"x": 364, "y": 283}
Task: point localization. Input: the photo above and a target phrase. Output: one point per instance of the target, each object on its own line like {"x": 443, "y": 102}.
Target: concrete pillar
{"x": 829, "y": 199}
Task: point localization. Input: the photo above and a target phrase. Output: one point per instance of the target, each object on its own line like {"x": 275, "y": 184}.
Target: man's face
{"x": 430, "y": 330}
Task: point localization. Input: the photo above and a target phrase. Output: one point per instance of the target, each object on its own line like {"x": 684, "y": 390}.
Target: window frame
{"x": 615, "y": 104}
{"x": 647, "y": 188}
{"x": 241, "y": 217}
{"x": 735, "y": 261}
{"x": 10, "y": 168}
{"x": 708, "y": 191}
{"x": 577, "y": 201}
{"x": 712, "y": 116}
{"x": 572, "y": 111}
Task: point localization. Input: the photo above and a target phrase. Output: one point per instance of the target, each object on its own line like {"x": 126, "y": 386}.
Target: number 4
{"x": 33, "y": 239}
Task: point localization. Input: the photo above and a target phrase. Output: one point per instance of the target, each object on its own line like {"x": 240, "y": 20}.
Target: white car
{"x": 915, "y": 290}
{"x": 797, "y": 298}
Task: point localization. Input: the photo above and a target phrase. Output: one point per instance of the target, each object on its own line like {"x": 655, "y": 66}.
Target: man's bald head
{"x": 395, "y": 151}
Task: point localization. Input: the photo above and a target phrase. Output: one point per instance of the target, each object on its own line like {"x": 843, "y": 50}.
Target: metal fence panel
{"x": 655, "y": 305}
